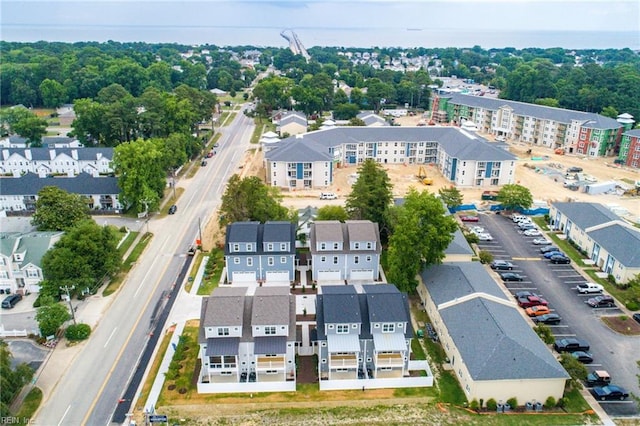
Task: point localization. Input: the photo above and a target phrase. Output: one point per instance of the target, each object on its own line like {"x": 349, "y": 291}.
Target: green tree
{"x": 11, "y": 379}
{"x": 371, "y": 195}
{"x": 421, "y": 232}
{"x": 58, "y": 210}
{"x": 575, "y": 368}
{"x": 452, "y": 197}
{"x": 139, "y": 166}
{"x": 25, "y": 123}
{"x": 51, "y": 317}
{"x": 345, "y": 111}
{"x": 249, "y": 199}
{"x": 514, "y": 197}
{"x": 610, "y": 112}
{"x": 53, "y": 93}
{"x": 332, "y": 213}
{"x": 355, "y": 121}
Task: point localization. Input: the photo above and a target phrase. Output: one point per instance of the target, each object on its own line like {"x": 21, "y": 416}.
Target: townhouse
{"x": 629, "y": 153}
{"x": 292, "y": 123}
{"x": 605, "y": 238}
{"x": 348, "y": 251}
{"x": 493, "y": 351}
{"x": 21, "y": 260}
{"x": 257, "y": 253}
{"x": 247, "y": 342}
{"x": 574, "y": 132}
{"x": 308, "y": 161}
{"x": 56, "y": 161}
{"x": 21, "y": 193}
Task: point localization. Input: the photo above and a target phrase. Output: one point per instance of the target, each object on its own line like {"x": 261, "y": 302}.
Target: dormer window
{"x": 249, "y": 247}
{"x": 388, "y": 328}
{"x": 236, "y": 247}
{"x": 223, "y": 331}
{"x": 336, "y": 246}
{"x": 342, "y": 329}
{"x": 283, "y": 246}
{"x": 323, "y": 246}
{"x": 270, "y": 330}
{"x": 369, "y": 245}
{"x": 356, "y": 246}
{"x": 269, "y": 246}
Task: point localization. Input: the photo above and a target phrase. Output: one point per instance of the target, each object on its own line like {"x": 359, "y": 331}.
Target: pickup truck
{"x": 570, "y": 344}
{"x": 598, "y": 378}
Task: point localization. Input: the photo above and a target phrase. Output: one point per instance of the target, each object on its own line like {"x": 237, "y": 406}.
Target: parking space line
{"x": 525, "y": 258}
{"x": 523, "y": 288}
{"x": 573, "y": 282}
{"x": 564, "y": 335}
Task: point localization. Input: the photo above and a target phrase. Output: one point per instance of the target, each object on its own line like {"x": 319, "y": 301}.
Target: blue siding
{"x": 299, "y": 172}
{"x": 331, "y": 172}
{"x": 407, "y": 149}
{"x": 454, "y": 163}
{"x": 375, "y": 150}
{"x": 488, "y": 171}
{"x": 352, "y": 159}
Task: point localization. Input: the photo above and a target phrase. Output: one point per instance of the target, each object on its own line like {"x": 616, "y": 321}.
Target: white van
{"x": 328, "y": 196}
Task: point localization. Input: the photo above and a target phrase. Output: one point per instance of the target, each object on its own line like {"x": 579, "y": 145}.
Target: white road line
{"x": 564, "y": 335}
{"x": 64, "y": 415}
{"x": 110, "y": 336}
{"x": 150, "y": 269}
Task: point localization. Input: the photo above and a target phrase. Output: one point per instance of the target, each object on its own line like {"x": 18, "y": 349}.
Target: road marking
{"x": 110, "y": 336}
{"x": 574, "y": 282}
{"x": 525, "y": 258}
{"x": 149, "y": 271}
{"x": 564, "y": 335}
{"x": 64, "y": 415}
{"x": 558, "y": 326}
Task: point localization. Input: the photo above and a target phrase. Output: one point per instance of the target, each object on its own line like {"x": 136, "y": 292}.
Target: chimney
{"x": 27, "y": 154}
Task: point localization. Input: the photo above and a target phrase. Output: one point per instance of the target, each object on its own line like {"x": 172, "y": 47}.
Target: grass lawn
{"x": 31, "y": 403}
{"x": 153, "y": 372}
{"x": 127, "y": 264}
{"x": 212, "y": 272}
{"x": 567, "y": 249}
{"x": 127, "y": 243}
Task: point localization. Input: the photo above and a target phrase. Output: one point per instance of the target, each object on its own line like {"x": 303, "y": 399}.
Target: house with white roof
{"x": 56, "y": 161}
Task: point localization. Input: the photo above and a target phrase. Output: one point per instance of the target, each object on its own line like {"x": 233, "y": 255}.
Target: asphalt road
{"x": 557, "y": 284}
{"x": 96, "y": 379}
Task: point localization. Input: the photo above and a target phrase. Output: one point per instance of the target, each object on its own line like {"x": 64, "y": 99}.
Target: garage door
{"x": 243, "y": 277}
{"x": 278, "y": 276}
{"x": 362, "y": 274}
{"x": 328, "y": 275}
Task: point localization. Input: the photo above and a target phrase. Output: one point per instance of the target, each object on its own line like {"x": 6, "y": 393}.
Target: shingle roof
{"x": 270, "y": 306}
{"x": 458, "y": 245}
{"x": 538, "y": 111}
{"x": 634, "y": 133}
{"x": 35, "y": 245}
{"x": 386, "y": 303}
{"x": 278, "y": 231}
{"x": 82, "y": 184}
{"x": 327, "y": 230}
{"x": 294, "y": 117}
{"x": 225, "y": 307}
{"x": 292, "y": 149}
{"x": 586, "y": 215}
{"x": 361, "y": 230}
{"x": 622, "y": 242}
{"x": 45, "y": 154}
{"x": 340, "y": 305}
{"x": 255, "y": 232}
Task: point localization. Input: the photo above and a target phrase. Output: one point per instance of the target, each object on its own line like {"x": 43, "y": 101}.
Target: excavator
{"x": 423, "y": 177}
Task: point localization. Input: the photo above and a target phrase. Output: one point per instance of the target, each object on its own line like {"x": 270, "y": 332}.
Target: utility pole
{"x": 200, "y": 232}
{"x": 67, "y": 289}
{"x": 173, "y": 181}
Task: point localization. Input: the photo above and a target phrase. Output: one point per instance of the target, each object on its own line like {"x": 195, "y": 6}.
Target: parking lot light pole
{"x": 67, "y": 289}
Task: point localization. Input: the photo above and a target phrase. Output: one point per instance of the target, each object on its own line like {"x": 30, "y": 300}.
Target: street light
{"x": 67, "y": 289}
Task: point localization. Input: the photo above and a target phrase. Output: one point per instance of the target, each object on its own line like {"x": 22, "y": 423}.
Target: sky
{"x": 236, "y": 22}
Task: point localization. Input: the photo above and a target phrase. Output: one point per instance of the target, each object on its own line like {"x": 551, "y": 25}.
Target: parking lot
{"x": 557, "y": 284}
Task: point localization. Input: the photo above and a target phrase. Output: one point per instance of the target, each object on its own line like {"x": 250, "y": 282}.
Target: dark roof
{"x": 586, "y": 215}
{"x": 452, "y": 280}
{"x": 459, "y": 244}
{"x": 270, "y": 345}
{"x": 340, "y": 305}
{"x": 622, "y": 242}
{"x": 222, "y": 346}
{"x": 225, "y": 307}
{"x": 255, "y": 232}
{"x": 278, "y": 232}
{"x": 386, "y": 303}
{"x": 270, "y": 306}
{"x": 82, "y": 184}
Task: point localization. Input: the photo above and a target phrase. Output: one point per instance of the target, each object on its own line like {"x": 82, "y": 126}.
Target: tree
{"x": 355, "y": 121}
{"x": 515, "y": 197}
{"x": 575, "y": 368}
{"x": 452, "y": 197}
{"x": 332, "y": 213}
{"x": 53, "y": 93}
{"x": 371, "y": 195}
{"x": 139, "y": 167}
{"x": 58, "y": 210}
{"x": 51, "y": 317}
{"x": 11, "y": 379}
{"x": 250, "y": 199}
{"x": 421, "y": 233}
{"x": 23, "y": 122}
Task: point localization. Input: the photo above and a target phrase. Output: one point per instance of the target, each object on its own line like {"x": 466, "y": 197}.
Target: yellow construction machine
{"x": 423, "y": 177}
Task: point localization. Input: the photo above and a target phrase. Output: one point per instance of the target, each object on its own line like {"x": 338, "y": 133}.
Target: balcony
{"x": 394, "y": 359}
{"x": 343, "y": 361}
{"x": 270, "y": 362}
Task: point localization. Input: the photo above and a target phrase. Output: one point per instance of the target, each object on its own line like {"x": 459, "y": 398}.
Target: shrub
{"x": 632, "y": 305}
{"x": 550, "y": 402}
{"x": 123, "y": 229}
{"x": 513, "y": 402}
{"x": 485, "y": 256}
{"x": 492, "y": 405}
{"x": 76, "y": 332}
{"x": 472, "y": 238}
{"x": 611, "y": 279}
{"x": 544, "y": 332}
{"x": 561, "y": 402}
{"x": 474, "y": 405}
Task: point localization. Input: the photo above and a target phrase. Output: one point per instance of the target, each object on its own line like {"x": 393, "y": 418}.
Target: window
{"x": 283, "y": 246}
{"x": 356, "y": 259}
{"x": 336, "y": 246}
{"x": 342, "y": 329}
{"x": 236, "y": 260}
{"x": 270, "y": 330}
{"x": 335, "y": 260}
{"x": 388, "y": 328}
{"x": 323, "y": 246}
{"x": 283, "y": 259}
{"x": 269, "y": 246}
{"x": 249, "y": 261}
{"x": 236, "y": 247}
{"x": 369, "y": 245}
{"x": 368, "y": 258}
{"x": 356, "y": 246}
{"x": 270, "y": 261}
{"x": 249, "y": 247}
{"x": 323, "y": 259}
{"x": 223, "y": 331}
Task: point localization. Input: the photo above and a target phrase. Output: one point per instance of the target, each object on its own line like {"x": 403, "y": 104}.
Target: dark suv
{"x": 604, "y": 301}
{"x": 10, "y": 301}
{"x": 173, "y": 209}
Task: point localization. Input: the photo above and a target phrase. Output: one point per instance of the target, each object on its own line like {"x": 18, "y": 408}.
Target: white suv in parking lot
{"x": 586, "y": 288}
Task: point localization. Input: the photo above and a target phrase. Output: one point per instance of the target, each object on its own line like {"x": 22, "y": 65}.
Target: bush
{"x": 474, "y": 405}
{"x": 632, "y": 305}
{"x": 123, "y": 229}
{"x": 485, "y": 256}
{"x": 611, "y": 279}
{"x": 545, "y": 334}
{"x": 513, "y": 402}
{"x": 492, "y": 405}
{"x": 561, "y": 402}
{"x": 472, "y": 238}
{"x": 76, "y": 332}
{"x": 550, "y": 402}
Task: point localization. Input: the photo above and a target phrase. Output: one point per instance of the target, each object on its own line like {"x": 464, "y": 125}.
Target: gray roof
{"x": 327, "y": 230}
{"x": 293, "y": 117}
{"x": 386, "y": 303}
{"x": 459, "y": 244}
{"x": 223, "y": 346}
{"x": 496, "y": 343}
{"x": 588, "y": 119}
{"x": 455, "y": 142}
{"x": 278, "y": 232}
{"x": 255, "y": 232}
{"x": 270, "y": 345}
{"x": 82, "y": 184}
{"x": 449, "y": 281}
{"x": 622, "y": 242}
{"x": 225, "y": 307}
{"x": 362, "y": 230}
{"x": 586, "y": 215}
{"x": 340, "y": 305}
{"x": 634, "y": 133}
{"x": 243, "y": 232}
{"x": 270, "y": 306}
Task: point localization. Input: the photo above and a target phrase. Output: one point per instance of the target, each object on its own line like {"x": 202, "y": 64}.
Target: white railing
{"x": 13, "y": 333}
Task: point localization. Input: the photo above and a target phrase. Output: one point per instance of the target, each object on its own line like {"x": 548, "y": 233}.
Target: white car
{"x": 483, "y": 236}
{"x": 328, "y": 196}
{"x": 586, "y": 288}
{"x": 532, "y": 233}
{"x": 541, "y": 242}
{"x": 477, "y": 230}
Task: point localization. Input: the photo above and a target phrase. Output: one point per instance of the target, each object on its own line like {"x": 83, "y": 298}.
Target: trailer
{"x": 600, "y": 187}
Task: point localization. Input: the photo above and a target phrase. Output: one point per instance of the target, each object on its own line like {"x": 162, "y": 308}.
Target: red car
{"x": 532, "y": 300}
{"x": 469, "y": 218}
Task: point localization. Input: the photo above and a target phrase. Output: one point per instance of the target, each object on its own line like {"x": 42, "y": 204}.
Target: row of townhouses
{"x": 308, "y": 160}
{"x": 575, "y": 132}
{"x": 56, "y": 161}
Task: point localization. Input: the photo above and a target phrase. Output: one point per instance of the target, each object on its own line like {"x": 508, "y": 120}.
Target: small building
{"x": 371, "y": 119}
{"x": 292, "y": 123}
{"x": 56, "y": 161}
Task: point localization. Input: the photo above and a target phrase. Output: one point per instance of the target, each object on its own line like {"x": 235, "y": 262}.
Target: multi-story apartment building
{"x": 629, "y": 153}
{"x": 308, "y": 161}
{"x": 56, "y": 161}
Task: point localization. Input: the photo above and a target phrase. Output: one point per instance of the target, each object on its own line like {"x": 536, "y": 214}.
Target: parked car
{"x": 10, "y": 301}
{"x": 525, "y": 226}
{"x": 523, "y": 293}
{"x": 243, "y": 376}
{"x": 469, "y": 218}
{"x": 547, "y": 255}
{"x": 483, "y": 236}
{"x": 209, "y": 154}
{"x": 570, "y": 344}
{"x": 533, "y": 300}
{"x": 501, "y": 265}
{"x": 598, "y": 378}
{"x": 604, "y": 301}
{"x": 536, "y": 311}
{"x": 477, "y": 230}
{"x": 609, "y": 392}
{"x": 585, "y": 288}
{"x": 173, "y": 209}
{"x": 560, "y": 259}
{"x": 215, "y": 145}
{"x": 549, "y": 319}
{"x": 511, "y": 276}
{"x": 541, "y": 242}
{"x": 531, "y": 232}
{"x": 518, "y": 217}
{"x": 252, "y": 376}
{"x": 574, "y": 169}
{"x": 328, "y": 196}
{"x": 637, "y": 318}
{"x": 583, "y": 357}
{"x": 203, "y": 163}
{"x": 547, "y": 249}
